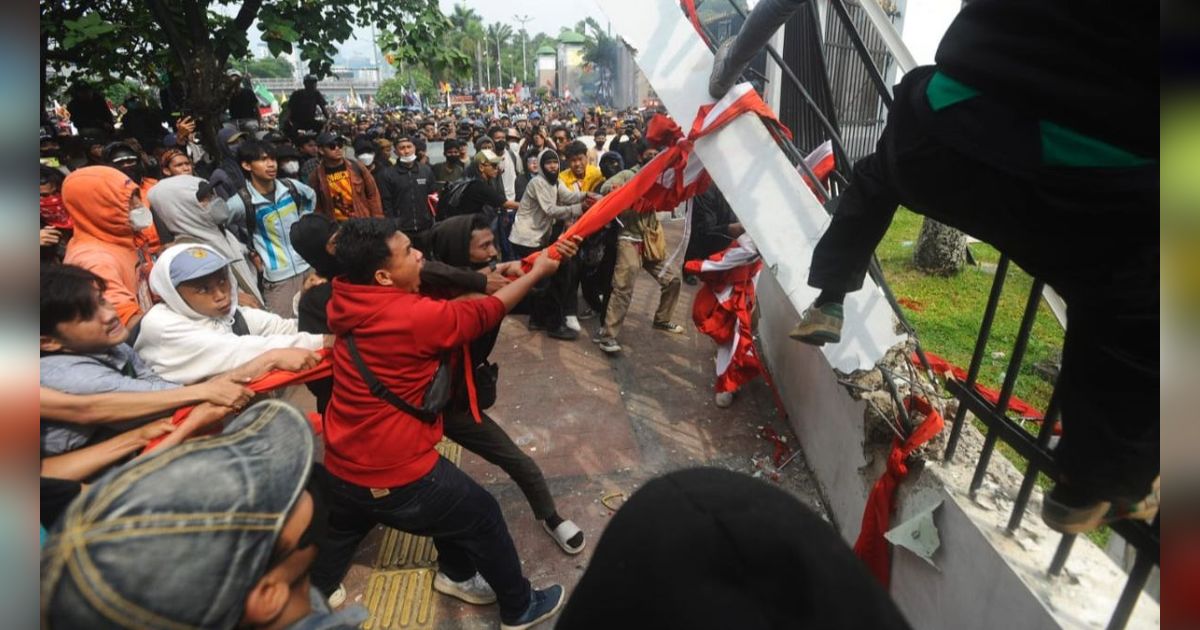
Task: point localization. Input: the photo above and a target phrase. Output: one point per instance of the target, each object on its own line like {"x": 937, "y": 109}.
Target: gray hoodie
{"x": 174, "y": 201}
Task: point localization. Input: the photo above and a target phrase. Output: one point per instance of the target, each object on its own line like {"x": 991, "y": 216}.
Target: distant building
{"x": 547, "y": 66}
{"x": 570, "y": 64}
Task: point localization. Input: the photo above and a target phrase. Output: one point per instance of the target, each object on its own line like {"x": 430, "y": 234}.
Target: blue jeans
{"x": 446, "y": 505}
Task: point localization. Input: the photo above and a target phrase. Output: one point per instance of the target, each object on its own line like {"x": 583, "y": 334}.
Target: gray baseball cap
{"x": 195, "y": 262}
{"x": 179, "y": 537}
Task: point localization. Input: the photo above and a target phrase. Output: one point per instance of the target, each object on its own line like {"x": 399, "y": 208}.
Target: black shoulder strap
{"x": 243, "y": 193}
{"x": 379, "y": 390}
{"x": 292, "y": 190}
{"x": 240, "y": 327}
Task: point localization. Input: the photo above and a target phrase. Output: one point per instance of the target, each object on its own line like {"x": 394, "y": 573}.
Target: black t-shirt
{"x": 243, "y": 104}
{"x": 479, "y": 196}
{"x": 303, "y": 106}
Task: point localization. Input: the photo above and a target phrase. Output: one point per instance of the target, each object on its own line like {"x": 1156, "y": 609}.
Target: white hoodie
{"x": 184, "y": 346}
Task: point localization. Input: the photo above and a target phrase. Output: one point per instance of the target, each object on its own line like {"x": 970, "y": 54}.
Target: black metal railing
{"x": 1035, "y": 448}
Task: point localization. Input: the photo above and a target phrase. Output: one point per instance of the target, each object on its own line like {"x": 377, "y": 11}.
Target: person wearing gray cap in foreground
{"x": 214, "y": 533}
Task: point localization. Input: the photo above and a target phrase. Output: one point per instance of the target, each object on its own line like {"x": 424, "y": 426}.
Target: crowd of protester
{"x": 174, "y": 275}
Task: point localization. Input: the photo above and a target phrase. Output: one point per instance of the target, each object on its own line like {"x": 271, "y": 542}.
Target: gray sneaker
{"x": 819, "y": 325}
{"x": 722, "y": 79}
{"x": 473, "y": 591}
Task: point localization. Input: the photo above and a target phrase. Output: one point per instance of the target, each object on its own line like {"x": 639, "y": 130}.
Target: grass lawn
{"x": 947, "y": 312}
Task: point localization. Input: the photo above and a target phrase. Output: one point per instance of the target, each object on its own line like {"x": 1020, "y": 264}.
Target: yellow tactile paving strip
{"x": 400, "y": 589}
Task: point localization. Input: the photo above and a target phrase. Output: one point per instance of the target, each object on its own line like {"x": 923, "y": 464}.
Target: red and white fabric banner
{"x": 722, "y": 310}
{"x": 675, "y": 175}
{"x": 871, "y": 546}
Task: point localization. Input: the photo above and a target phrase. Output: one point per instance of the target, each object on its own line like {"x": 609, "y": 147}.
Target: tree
{"x": 267, "y": 67}
{"x": 600, "y": 53}
{"x": 941, "y": 250}
{"x": 194, "y": 40}
{"x": 498, "y": 35}
{"x": 390, "y": 93}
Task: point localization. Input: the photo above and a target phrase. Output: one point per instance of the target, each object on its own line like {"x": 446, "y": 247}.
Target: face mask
{"x": 54, "y": 214}
{"x": 218, "y": 210}
{"x": 408, "y": 159}
{"x": 366, "y": 158}
{"x": 290, "y": 168}
{"x": 140, "y": 218}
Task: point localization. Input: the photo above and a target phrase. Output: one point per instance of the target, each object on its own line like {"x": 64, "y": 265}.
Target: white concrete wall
{"x": 984, "y": 578}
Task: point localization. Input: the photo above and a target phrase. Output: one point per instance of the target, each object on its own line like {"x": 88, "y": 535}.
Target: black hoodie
{"x": 449, "y": 242}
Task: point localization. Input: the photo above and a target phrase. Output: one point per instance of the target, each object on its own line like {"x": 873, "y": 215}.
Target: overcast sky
{"x": 547, "y": 16}
{"x": 924, "y": 24}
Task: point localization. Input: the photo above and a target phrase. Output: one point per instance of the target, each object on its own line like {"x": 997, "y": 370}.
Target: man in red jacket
{"x": 381, "y": 459}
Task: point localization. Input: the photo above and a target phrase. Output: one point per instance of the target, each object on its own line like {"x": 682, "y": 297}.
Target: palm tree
{"x": 499, "y": 34}
{"x": 468, "y": 34}
{"x": 463, "y": 16}
{"x": 600, "y": 50}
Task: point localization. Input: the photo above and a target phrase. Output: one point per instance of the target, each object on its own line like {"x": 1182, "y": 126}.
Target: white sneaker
{"x": 475, "y": 590}
{"x": 573, "y": 323}
{"x": 724, "y": 399}
{"x": 338, "y": 597}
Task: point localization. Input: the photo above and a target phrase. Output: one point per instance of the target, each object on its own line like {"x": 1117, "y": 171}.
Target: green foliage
{"x": 118, "y": 92}
{"x": 147, "y": 39}
{"x": 266, "y": 67}
{"x": 390, "y": 93}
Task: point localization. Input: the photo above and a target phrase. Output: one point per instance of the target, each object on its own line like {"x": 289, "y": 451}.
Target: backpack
{"x": 451, "y": 196}
{"x": 243, "y": 193}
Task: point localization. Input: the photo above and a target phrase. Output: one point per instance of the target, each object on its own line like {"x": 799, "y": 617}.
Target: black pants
{"x": 462, "y": 518}
{"x": 1090, "y": 233}
{"x": 547, "y": 299}
{"x": 596, "y": 280}
{"x": 489, "y": 441}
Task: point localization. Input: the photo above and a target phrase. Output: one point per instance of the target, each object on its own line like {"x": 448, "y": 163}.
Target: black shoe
{"x": 535, "y": 326}
{"x": 563, "y": 333}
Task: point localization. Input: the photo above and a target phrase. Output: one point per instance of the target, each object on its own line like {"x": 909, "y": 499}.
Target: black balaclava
{"x": 611, "y": 163}
{"x": 543, "y": 157}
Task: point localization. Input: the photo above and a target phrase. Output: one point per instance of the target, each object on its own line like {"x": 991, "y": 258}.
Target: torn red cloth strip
{"x": 944, "y": 367}
{"x": 273, "y": 380}
{"x": 782, "y": 450}
{"x": 871, "y": 547}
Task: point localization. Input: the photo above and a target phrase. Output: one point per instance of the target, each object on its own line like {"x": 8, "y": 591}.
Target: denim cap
{"x": 195, "y": 262}
{"x": 178, "y": 538}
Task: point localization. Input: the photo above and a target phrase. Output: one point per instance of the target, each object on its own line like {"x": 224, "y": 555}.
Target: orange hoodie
{"x": 97, "y": 198}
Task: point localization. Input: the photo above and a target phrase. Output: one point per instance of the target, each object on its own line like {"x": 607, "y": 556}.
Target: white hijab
{"x": 160, "y": 282}
{"x": 174, "y": 201}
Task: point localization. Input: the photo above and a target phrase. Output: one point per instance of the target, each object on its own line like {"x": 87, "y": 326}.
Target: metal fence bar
{"x": 868, "y": 63}
{"x": 1060, "y": 555}
{"x": 1138, "y": 575}
{"x": 1010, "y": 381}
{"x": 1049, "y": 420}
{"x": 985, "y": 331}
